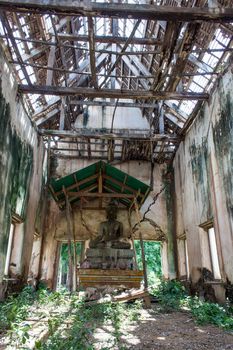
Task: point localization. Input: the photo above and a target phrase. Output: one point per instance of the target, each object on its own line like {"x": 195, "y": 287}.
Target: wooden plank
{"x": 89, "y": 148}
{"x": 92, "y": 52}
{"x": 99, "y": 195}
{"x": 51, "y": 61}
{"x": 7, "y": 26}
{"x": 49, "y": 115}
{"x": 112, "y": 104}
{"x": 62, "y": 115}
{"x": 118, "y": 58}
{"x": 121, "y": 184}
{"x": 109, "y": 272}
{"x": 110, "y": 93}
{"x": 100, "y": 187}
{"x": 141, "y": 11}
{"x": 95, "y": 277}
{"x": 122, "y": 136}
{"x": 77, "y": 184}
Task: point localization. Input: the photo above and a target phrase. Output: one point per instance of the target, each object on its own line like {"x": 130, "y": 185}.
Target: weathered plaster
{"x": 203, "y": 168}
{"x": 21, "y": 156}
{"x": 56, "y": 226}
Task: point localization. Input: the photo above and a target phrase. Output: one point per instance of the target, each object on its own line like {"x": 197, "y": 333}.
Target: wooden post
{"x": 75, "y": 257}
{"x": 142, "y": 246}
{"x": 143, "y": 261}
{"x": 131, "y": 236}
{"x": 68, "y": 218}
{"x": 56, "y": 265}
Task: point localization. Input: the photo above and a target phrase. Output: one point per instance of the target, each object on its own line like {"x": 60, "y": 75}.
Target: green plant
{"x": 85, "y": 319}
{"x": 171, "y": 295}
{"x": 15, "y": 308}
{"x": 216, "y": 314}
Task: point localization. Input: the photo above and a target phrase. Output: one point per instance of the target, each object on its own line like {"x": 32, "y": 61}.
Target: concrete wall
{"x": 203, "y": 169}
{"x": 56, "y": 226}
{"x": 21, "y": 157}
{"x": 101, "y": 117}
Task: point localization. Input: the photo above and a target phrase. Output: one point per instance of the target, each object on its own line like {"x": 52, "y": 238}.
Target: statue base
{"x": 109, "y": 258}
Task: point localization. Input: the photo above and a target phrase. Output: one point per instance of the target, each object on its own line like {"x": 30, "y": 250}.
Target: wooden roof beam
{"x": 109, "y": 39}
{"x": 121, "y": 136}
{"x": 10, "y": 33}
{"x": 141, "y": 11}
{"x": 112, "y": 104}
{"x": 110, "y": 93}
{"x": 123, "y": 49}
{"x": 92, "y": 52}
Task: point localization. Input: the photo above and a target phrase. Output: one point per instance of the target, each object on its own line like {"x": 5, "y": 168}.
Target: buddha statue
{"x": 110, "y": 233}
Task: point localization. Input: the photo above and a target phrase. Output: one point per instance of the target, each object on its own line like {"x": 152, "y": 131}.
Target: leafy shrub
{"x": 216, "y": 314}
{"x": 171, "y": 294}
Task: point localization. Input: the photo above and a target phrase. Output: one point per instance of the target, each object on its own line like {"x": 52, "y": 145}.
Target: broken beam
{"x": 98, "y": 135}
{"x": 141, "y": 11}
{"x": 108, "y": 39}
{"x": 92, "y": 52}
{"x": 110, "y": 93}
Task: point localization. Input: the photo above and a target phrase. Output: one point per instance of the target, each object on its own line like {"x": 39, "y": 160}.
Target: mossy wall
{"x": 203, "y": 169}
{"x": 16, "y": 162}
{"x": 223, "y": 140}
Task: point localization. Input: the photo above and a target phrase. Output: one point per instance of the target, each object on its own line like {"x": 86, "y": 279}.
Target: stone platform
{"x": 111, "y": 277}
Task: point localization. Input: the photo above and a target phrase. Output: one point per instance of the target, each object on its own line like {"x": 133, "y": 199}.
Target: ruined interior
{"x": 136, "y": 98}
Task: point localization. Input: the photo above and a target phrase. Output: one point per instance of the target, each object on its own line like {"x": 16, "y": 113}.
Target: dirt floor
{"x": 150, "y": 329}
{"x": 154, "y": 330}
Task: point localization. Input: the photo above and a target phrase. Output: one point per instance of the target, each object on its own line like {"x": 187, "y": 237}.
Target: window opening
{"x": 153, "y": 260}
{"x": 214, "y": 253}
{"x": 9, "y": 249}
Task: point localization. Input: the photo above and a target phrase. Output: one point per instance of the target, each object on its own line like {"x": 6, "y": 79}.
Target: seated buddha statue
{"x": 110, "y": 233}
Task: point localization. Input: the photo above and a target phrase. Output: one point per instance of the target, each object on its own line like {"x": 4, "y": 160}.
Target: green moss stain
{"x": 223, "y": 141}
{"x": 201, "y": 175}
{"x": 16, "y": 162}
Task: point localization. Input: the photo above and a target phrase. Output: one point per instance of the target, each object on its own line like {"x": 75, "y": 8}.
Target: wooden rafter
{"x": 111, "y": 93}
{"x": 91, "y": 37}
{"x": 141, "y": 11}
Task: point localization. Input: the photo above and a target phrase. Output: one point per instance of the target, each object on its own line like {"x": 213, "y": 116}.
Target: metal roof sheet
{"x": 86, "y": 182}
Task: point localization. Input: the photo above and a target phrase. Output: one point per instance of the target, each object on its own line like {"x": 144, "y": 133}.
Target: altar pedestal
{"x": 109, "y": 277}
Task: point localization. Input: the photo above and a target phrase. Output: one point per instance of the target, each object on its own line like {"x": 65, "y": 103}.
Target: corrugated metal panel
{"x": 86, "y": 179}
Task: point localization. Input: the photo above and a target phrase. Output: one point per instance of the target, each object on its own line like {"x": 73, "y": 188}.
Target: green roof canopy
{"x": 99, "y": 180}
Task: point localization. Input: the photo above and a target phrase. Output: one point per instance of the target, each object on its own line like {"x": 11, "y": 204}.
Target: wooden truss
{"x": 162, "y": 59}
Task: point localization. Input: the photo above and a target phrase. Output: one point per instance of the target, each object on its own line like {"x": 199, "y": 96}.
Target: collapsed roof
{"x": 161, "y": 56}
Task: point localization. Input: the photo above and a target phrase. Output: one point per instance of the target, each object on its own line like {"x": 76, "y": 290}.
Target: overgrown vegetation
{"x": 83, "y": 321}
{"x": 16, "y": 308}
{"x": 173, "y": 296}
{"x": 75, "y": 328}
